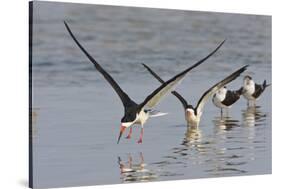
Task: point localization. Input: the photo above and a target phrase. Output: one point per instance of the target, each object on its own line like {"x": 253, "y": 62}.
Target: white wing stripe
{"x": 162, "y": 93}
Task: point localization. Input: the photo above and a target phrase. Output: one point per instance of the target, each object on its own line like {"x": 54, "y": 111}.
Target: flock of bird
{"x": 138, "y": 113}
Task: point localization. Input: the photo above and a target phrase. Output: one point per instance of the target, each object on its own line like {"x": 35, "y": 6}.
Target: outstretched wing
{"x": 175, "y": 93}
{"x": 216, "y": 87}
{"x": 123, "y": 96}
{"x": 154, "y": 98}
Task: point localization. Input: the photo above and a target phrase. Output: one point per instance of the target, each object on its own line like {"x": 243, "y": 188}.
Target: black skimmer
{"x": 193, "y": 115}
{"x": 224, "y": 98}
{"x": 251, "y": 90}
{"x": 137, "y": 113}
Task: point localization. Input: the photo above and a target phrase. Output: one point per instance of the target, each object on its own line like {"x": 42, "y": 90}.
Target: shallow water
{"x": 76, "y": 114}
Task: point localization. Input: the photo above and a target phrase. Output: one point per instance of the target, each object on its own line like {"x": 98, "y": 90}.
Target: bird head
{"x": 123, "y": 128}
{"x": 190, "y": 110}
{"x": 222, "y": 90}
{"x": 247, "y": 80}
{"x": 127, "y": 121}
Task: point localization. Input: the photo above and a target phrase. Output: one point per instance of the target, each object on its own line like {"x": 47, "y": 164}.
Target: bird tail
{"x": 156, "y": 113}
{"x": 265, "y": 85}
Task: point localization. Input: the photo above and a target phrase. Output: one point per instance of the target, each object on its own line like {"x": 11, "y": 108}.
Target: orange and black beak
{"x": 122, "y": 129}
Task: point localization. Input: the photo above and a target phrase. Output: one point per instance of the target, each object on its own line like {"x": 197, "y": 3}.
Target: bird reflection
{"x": 227, "y": 159}
{"x": 222, "y": 130}
{"x": 253, "y": 116}
{"x": 131, "y": 172}
{"x": 225, "y": 123}
{"x": 191, "y": 147}
{"x": 192, "y": 135}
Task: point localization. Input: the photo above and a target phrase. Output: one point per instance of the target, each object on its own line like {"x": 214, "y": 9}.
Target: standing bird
{"x": 193, "y": 115}
{"x": 251, "y": 90}
{"x": 137, "y": 113}
{"x": 224, "y": 98}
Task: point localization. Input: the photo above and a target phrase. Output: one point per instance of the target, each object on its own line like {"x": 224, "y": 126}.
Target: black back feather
{"x": 231, "y": 97}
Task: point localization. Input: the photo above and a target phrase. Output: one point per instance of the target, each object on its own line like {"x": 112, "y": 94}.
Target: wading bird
{"x": 251, "y": 90}
{"x": 193, "y": 115}
{"x": 138, "y": 113}
{"x": 224, "y": 98}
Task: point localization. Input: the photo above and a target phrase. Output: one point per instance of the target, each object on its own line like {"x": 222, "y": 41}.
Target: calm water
{"x": 77, "y": 114}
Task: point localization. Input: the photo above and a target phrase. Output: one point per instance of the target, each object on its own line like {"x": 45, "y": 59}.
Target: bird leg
{"x": 248, "y": 103}
{"x": 141, "y": 135}
{"x": 227, "y": 113}
{"x": 221, "y": 112}
{"x": 130, "y": 133}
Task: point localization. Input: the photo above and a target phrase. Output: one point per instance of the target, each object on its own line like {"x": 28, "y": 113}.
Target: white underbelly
{"x": 142, "y": 117}
{"x": 248, "y": 95}
{"x": 192, "y": 120}
{"x": 249, "y": 91}
{"x": 218, "y": 103}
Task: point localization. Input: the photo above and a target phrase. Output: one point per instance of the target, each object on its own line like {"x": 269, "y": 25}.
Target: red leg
{"x": 130, "y": 133}
{"x": 140, "y": 140}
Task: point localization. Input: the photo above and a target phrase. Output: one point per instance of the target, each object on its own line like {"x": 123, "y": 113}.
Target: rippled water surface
{"x": 76, "y": 114}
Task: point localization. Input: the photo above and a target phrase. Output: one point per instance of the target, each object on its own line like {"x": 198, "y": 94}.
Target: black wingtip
{"x": 246, "y": 66}
{"x": 265, "y": 84}
{"x": 221, "y": 44}
{"x": 243, "y": 68}
{"x": 204, "y": 59}
{"x": 144, "y": 64}
{"x": 79, "y": 45}
{"x": 238, "y": 72}
{"x": 68, "y": 29}
{"x": 147, "y": 67}
{"x": 65, "y": 23}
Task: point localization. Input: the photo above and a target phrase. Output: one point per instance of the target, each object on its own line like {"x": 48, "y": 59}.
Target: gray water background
{"x": 76, "y": 113}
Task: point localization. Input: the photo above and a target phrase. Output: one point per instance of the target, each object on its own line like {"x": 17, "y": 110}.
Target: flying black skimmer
{"x": 193, "y": 115}
{"x": 138, "y": 113}
{"x": 251, "y": 90}
{"x": 224, "y": 98}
